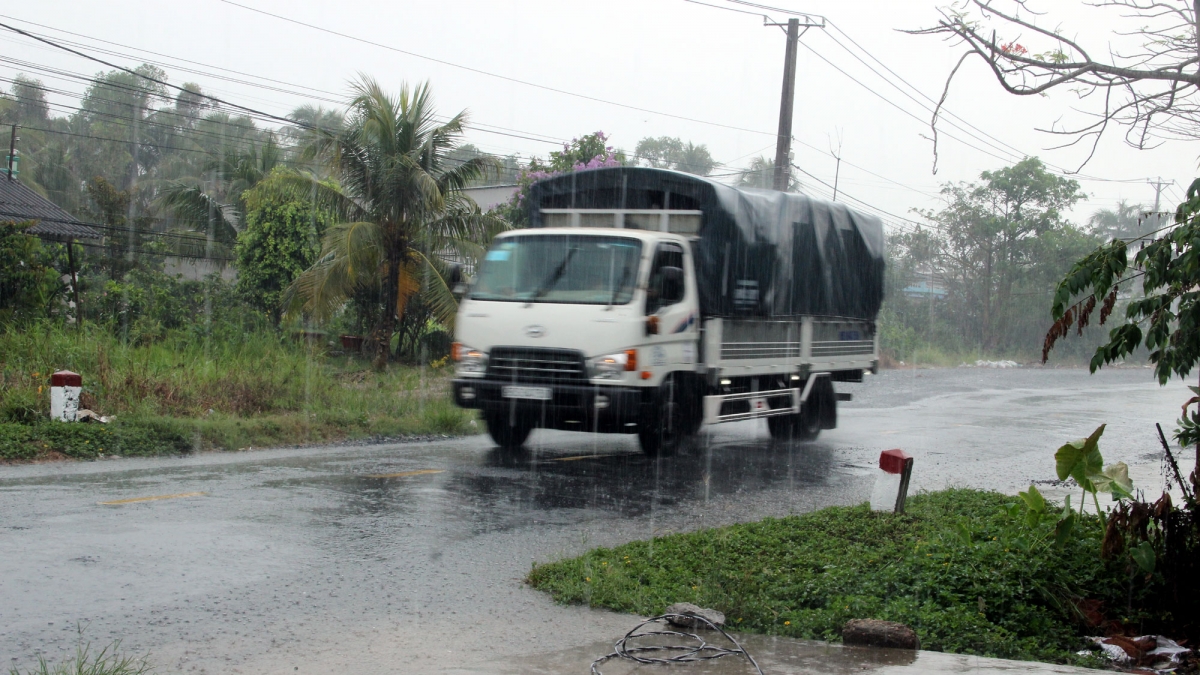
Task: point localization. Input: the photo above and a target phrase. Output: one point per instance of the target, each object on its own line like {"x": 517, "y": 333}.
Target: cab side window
{"x": 665, "y": 285}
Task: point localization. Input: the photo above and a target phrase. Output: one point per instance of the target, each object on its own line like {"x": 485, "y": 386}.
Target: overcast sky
{"x": 671, "y": 58}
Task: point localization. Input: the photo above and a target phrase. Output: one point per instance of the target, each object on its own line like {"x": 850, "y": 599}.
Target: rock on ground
{"x": 873, "y": 633}
{"x": 685, "y": 610}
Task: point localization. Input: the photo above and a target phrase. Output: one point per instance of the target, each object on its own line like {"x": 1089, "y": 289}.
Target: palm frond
{"x": 324, "y": 196}
{"x": 351, "y": 258}
{"x": 436, "y": 292}
{"x": 198, "y": 210}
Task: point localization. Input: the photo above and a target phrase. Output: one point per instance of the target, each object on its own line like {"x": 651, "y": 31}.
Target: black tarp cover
{"x": 759, "y": 253}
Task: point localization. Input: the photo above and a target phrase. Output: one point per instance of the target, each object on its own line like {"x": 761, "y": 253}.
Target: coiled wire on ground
{"x": 699, "y": 650}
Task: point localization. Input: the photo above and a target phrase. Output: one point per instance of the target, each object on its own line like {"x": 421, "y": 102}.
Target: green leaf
{"x": 1080, "y": 459}
{"x": 1064, "y": 529}
{"x": 963, "y": 533}
{"x": 1115, "y": 479}
{"x": 1144, "y": 556}
{"x": 1033, "y": 499}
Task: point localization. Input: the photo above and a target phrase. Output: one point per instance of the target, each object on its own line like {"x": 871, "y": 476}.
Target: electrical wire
{"x": 902, "y": 219}
{"x": 269, "y": 117}
{"x": 506, "y": 78}
{"x": 330, "y": 97}
{"x": 700, "y": 650}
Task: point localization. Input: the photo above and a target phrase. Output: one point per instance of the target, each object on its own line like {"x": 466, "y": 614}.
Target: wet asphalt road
{"x": 409, "y": 558}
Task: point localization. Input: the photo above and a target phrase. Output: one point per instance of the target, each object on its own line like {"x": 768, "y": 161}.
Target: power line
{"x": 522, "y": 135}
{"x": 856, "y": 199}
{"x": 334, "y": 97}
{"x": 151, "y": 79}
{"x": 506, "y": 78}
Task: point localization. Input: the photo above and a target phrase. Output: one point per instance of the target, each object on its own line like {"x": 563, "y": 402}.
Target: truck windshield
{"x": 574, "y": 269}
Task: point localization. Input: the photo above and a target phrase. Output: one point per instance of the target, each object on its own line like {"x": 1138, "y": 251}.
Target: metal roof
{"x": 19, "y": 203}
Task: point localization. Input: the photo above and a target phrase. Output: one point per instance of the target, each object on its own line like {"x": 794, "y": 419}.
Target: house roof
{"x": 19, "y": 203}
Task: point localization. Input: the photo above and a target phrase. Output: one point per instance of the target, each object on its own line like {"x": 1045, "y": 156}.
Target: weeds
{"x": 108, "y": 661}
{"x": 180, "y": 393}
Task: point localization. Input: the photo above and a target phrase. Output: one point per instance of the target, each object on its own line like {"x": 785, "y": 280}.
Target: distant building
{"x": 489, "y": 197}
{"x": 20, "y": 204}
{"x": 925, "y": 286}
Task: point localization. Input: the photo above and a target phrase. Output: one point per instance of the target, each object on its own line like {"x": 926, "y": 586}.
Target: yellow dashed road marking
{"x": 152, "y": 499}
{"x": 403, "y": 474}
{"x": 576, "y": 457}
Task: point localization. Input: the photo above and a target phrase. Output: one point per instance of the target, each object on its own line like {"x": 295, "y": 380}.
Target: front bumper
{"x": 599, "y": 408}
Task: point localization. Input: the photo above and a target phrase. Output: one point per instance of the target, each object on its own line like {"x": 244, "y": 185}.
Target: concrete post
{"x": 65, "y": 388}
{"x": 891, "y": 485}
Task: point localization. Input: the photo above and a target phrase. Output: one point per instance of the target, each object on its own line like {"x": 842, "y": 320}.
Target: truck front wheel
{"x": 669, "y": 419}
{"x": 507, "y": 431}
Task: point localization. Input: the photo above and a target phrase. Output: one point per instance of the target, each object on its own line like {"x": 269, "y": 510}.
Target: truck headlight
{"x": 471, "y": 361}
{"x": 613, "y": 366}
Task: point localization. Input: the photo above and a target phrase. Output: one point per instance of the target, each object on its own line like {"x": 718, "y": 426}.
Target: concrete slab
{"x": 776, "y": 656}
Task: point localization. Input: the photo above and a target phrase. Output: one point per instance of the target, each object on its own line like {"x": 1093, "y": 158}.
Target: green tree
{"x": 996, "y": 238}
{"x": 586, "y": 152}
{"x": 399, "y": 208}
{"x": 30, "y": 95}
{"x": 1165, "y": 320}
{"x": 668, "y": 152}
{"x": 590, "y": 151}
{"x": 507, "y": 173}
{"x": 281, "y": 239}
{"x": 128, "y": 243}
{"x": 29, "y": 284}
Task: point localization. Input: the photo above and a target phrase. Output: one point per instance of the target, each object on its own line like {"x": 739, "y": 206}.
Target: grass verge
{"x": 961, "y": 567}
{"x": 180, "y": 394}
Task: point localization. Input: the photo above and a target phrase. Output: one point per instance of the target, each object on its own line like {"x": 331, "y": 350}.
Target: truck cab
{"x": 576, "y": 329}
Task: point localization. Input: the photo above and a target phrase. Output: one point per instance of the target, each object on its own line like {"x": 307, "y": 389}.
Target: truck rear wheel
{"x": 508, "y": 432}
{"x": 807, "y": 424}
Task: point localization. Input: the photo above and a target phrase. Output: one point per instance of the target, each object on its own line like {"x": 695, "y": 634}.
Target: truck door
{"x": 670, "y": 303}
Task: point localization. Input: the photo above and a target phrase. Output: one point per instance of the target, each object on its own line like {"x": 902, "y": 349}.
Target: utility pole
{"x": 1158, "y": 188}
{"x": 1159, "y": 185}
{"x": 783, "y": 146}
{"x": 837, "y": 171}
{"x": 12, "y": 151}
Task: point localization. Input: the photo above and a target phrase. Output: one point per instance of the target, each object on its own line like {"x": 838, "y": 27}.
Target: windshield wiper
{"x": 546, "y": 285}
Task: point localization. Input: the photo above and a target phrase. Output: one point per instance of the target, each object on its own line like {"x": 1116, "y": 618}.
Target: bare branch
{"x": 1169, "y": 55}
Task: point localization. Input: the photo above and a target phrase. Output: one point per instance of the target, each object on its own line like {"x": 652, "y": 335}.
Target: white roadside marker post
{"x": 891, "y": 485}
{"x": 65, "y": 387}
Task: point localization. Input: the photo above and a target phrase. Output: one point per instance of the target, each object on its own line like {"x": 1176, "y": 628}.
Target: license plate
{"x": 534, "y": 393}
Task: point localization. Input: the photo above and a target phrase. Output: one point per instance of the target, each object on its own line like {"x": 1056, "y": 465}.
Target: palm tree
{"x": 213, "y": 205}
{"x": 695, "y": 159}
{"x": 1124, "y": 222}
{"x": 761, "y": 174}
{"x": 400, "y": 209}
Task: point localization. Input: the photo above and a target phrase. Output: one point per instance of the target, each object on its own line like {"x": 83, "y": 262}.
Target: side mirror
{"x": 672, "y": 285}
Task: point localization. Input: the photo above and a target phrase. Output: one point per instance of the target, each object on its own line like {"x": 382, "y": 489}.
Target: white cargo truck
{"x": 653, "y": 302}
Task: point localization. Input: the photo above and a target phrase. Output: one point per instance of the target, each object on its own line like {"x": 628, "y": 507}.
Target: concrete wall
{"x": 196, "y": 270}
{"x": 490, "y": 196}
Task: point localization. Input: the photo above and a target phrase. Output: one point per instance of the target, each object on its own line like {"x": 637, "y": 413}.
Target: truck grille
{"x": 540, "y": 366}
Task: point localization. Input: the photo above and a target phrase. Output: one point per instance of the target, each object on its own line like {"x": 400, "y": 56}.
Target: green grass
{"x": 961, "y": 568}
{"x": 182, "y": 394}
{"x": 107, "y": 661}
